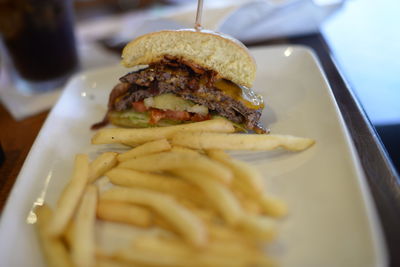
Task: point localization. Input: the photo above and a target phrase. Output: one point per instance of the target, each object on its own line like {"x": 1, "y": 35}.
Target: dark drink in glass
{"x": 38, "y": 38}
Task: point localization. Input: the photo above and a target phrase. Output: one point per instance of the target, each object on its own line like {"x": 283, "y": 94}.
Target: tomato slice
{"x": 198, "y": 117}
{"x": 139, "y": 106}
{"x": 156, "y": 115}
{"x": 177, "y": 115}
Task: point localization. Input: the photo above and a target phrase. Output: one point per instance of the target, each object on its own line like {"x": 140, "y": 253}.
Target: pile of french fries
{"x": 210, "y": 209}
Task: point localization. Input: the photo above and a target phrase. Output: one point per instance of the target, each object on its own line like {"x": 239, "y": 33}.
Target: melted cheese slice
{"x": 240, "y": 93}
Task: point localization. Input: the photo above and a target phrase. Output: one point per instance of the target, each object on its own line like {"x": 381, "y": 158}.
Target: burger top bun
{"x": 211, "y": 50}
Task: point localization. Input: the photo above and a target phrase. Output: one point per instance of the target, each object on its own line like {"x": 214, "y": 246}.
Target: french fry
{"x": 243, "y": 187}
{"x": 157, "y": 252}
{"x": 183, "y": 149}
{"x": 227, "y": 141}
{"x": 83, "y": 242}
{"x": 243, "y": 172}
{"x": 249, "y": 181}
{"x": 103, "y": 260}
{"x": 166, "y": 161}
{"x": 222, "y": 198}
{"x": 70, "y": 196}
{"x": 150, "y": 258}
{"x": 146, "y": 149}
{"x": 69, "y": 234}
{"x": 125, "y": 213}
{"x": 205, "y": 214}
{"x": 184, "y": 221}
{"x": 222, "y": 233}
{"x": 158, "y": 182}
{"x": 250, "y": 205}
{"x": 101, "y": 165}
{"x": 53, "y": 248}
{"x": 139, "y": 136}
{"x": 273, "y": 206}
{"x": 258, "y": 227}
{"x": 110, "y": 262}
{"x": 216, "y": 254}
{"x": 163, "y": 224}
{"x": 255, "y": 202}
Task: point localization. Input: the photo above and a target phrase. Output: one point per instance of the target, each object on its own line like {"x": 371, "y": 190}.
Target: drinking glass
{"x": 38, "y": 43}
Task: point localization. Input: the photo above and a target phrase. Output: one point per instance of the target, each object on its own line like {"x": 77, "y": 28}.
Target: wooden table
{"x": 17, "y": 138}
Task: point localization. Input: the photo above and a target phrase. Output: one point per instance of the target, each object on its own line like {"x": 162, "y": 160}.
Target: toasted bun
{"x": 215, "y": 51}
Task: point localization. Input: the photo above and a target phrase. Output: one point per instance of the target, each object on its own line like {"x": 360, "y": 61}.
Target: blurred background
{"x": 361, "y": 34}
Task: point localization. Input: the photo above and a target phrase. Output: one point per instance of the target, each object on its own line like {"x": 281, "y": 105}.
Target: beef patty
{"x": 184, "y": 79}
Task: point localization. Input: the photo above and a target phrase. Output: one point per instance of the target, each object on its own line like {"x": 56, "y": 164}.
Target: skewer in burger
{"x": 185, "y": 76}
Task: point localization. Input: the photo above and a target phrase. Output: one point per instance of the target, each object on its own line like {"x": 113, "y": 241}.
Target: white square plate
{"x": 332, "y": 220}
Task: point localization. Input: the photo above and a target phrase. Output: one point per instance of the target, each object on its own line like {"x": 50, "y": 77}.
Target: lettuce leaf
{"x": 136, "y": 119}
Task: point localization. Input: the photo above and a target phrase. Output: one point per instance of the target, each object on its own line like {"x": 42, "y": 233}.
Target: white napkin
{"x": 22, "y": 105}
{"x": 261, "y": 20}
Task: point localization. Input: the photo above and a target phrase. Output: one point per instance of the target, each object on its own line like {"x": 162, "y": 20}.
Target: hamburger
{"x": 185, "y": 76}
